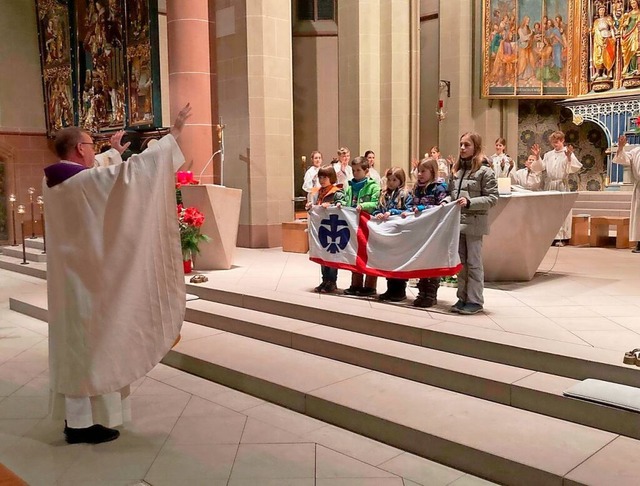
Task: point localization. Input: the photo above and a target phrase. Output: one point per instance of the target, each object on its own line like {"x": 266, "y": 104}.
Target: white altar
{"x": 221, "y": 208}
{"x": 523, "y": 225}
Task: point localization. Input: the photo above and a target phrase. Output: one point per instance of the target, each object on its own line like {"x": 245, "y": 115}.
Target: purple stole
{"x": 60, "y": 172}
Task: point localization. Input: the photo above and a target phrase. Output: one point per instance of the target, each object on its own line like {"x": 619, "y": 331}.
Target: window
{"x": 316, "y": 9}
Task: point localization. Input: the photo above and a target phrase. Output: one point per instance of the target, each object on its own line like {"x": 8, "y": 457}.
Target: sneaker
{"x": 457, "y": 307}
{"x": 320, "y": 288}
{"x": 96, "y": 434}
{"x": 470, "y": 308}
{"x": 353, "y": 290}
{"x": 329, "y": 287}
{"x": 367, "y": 291}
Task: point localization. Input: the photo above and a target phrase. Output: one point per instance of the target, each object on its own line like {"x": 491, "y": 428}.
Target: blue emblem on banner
{"x": 333, "y": 238}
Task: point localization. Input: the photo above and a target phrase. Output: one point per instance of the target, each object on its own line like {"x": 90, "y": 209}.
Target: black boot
{"x": 396, "y": 290}
{"x": 427, "y": 292}
{"x": 637, "y": 249}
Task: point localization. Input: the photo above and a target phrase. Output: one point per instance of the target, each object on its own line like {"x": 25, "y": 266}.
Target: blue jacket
{"x": 428, "y": 196}
{"x": 395, "y": 202}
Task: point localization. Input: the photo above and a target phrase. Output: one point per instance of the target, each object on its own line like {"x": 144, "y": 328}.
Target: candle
{"x": 440, "y": 104}
{"x": 504, "y": 185}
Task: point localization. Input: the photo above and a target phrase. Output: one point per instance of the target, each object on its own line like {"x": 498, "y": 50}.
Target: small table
{"x": 600, "y": 231}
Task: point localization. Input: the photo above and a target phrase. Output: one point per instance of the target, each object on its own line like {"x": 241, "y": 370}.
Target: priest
{"x": 115, "y": 282}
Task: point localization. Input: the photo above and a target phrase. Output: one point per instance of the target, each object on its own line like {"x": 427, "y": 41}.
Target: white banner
{"x": 419, "y": 246}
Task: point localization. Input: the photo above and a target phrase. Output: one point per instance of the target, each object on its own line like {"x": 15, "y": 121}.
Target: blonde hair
{"x": 555, "y": 136}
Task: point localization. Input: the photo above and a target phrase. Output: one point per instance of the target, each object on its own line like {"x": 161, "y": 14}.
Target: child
{"x": 558, "y": 164}
{"x": 393, "y": 201}
{"x": 342, "y": 167}
{"x": 362, "y": 193}
{"x": 475, "y": 189}
{"x": 427, "y": 193}
{"x": 501, "y": 163}
{"x": 373, "y": 173}
{"x": 311, "y": 176}
{"x": 326, "y": 195}
{"x": 527, "y": 178}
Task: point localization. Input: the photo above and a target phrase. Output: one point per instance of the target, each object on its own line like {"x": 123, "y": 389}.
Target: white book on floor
{"x": 607, "y": 393}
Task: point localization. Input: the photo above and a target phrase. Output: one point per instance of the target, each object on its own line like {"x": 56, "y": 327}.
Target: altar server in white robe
{"x": 115, "y": 280}
{"x": 632, "y": 158}
{"x": 527, "y": 178}
{"x": 557, "y": 164}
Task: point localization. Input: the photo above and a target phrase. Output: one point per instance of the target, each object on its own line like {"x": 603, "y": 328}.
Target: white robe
{"x": 557, "y": 168}
{"x": 311, "y": 181}
{"x": 496, "y": 164}
{"x": 344, "y": 175}
{"x": 632, "y": 159}
{"x": 115, "y": 281}
{"x": 527, "y": 179}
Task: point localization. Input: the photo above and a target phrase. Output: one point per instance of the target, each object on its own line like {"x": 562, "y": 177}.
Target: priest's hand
{"x": 116, "y": 141}
{"x": 178, "y": 125}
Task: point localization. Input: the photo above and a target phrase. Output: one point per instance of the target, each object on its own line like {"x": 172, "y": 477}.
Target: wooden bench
{"x": 579, "y": 230}
{"x": 600, "y": 231}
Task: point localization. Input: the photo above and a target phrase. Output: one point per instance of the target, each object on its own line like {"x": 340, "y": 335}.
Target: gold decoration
{"x": 578, "y": 119}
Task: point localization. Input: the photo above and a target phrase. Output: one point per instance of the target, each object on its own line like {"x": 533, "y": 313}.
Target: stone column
{"x": 193, "y": 79}
{"x": 374, "y": 48}
{"x": 256, "y": 102}
{"x": 460, "y": 57}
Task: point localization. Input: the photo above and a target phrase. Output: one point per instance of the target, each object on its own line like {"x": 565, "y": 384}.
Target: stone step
{"x": 601, "y": 212}
{"x": 616, "y": 205}
{"x": 37, "y": 243}
{"x": 517, "y": 387}
{"x": 491, "y": 440}
{"x": 604, "y": 196}
{"x": 31, "y": 254}
{"x": 562, "y": 359}
{"x": 34, "y": 269}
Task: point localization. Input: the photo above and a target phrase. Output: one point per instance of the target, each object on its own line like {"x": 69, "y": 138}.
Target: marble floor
{"x": 186, "y": 430}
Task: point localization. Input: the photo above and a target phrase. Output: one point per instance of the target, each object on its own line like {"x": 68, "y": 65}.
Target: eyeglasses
{"x": 86, "y": 143}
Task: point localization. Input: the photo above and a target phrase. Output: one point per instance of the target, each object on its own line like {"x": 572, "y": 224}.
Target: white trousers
{"x": 111, "y": 409}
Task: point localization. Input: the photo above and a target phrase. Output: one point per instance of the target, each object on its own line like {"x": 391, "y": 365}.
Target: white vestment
{"x": 557, "y": 168}
{"x": 115, "y": 280}
{"x": 527, "y": 179}
{"x": 344, "y": 174}
{"x": 311, "y": 179}
{"x": 632, "y": 158}
{"x": 501, "y": 165}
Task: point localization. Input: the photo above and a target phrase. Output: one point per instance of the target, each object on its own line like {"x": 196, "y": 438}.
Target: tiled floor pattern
{"x": 185, "y": 430}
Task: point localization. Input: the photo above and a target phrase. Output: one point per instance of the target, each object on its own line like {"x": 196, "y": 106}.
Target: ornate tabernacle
{"x": 98, "y": 73}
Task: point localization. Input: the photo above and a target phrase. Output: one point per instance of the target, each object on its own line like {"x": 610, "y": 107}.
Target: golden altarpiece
{"x": 100, "y": 64}
{"x": 585, "y": 53}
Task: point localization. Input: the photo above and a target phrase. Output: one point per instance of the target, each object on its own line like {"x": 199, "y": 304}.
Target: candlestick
{"x": 40, "y": 203}
{"x": 31, "y": 192}
{"x": 12, "y": 200}
{"x": 21, "y": 211}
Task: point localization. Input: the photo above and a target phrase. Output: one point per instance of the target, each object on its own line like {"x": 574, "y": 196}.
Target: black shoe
{"x": 329, "y": 287}
{"x": 385, "y": 296}
{"x": 96, "y": 434}
{"x": 635, "y": 250}
{"x": 353, "y": 290}
{"x": 457, "y": 307}
{"x": 470, "y": 308}
{"x": 398, "y": 297}
{"x": 367, "y": 291}
{"x": 320, "y": 288}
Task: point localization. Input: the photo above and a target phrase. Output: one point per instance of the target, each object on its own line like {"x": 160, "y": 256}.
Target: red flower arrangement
{"x": 190, "y": 220}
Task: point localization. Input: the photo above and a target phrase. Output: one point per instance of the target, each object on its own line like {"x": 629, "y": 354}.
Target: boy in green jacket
{"x": 362, "y": 193}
